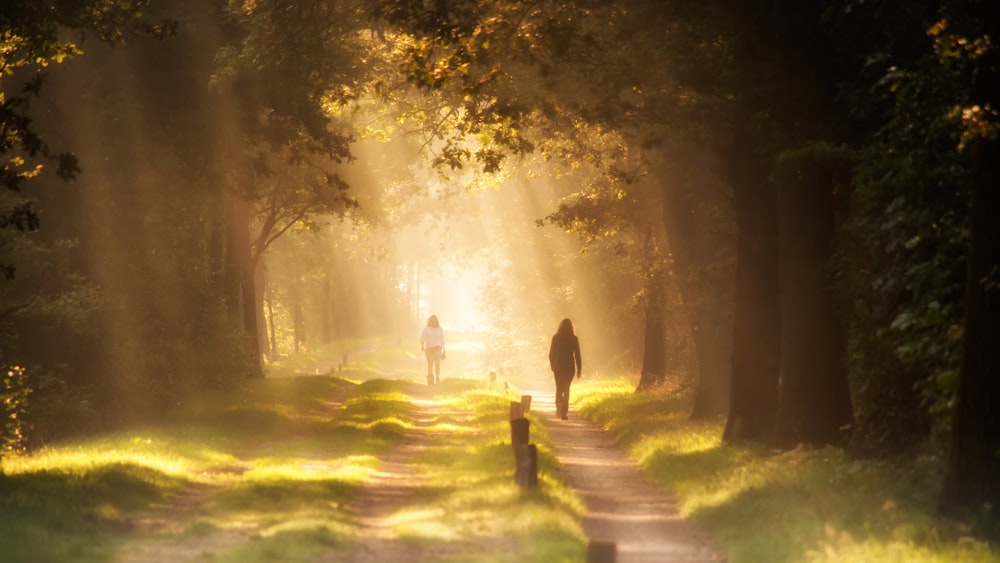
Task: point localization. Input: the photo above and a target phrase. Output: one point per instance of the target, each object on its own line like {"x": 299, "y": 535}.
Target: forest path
{"x": 623, "y": 507}
{"x": 463, "y": 358}
{"x": 384, "y": 502}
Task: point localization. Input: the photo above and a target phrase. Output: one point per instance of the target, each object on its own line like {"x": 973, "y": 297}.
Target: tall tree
{"x": 900, "y": 259}
{"x": 814, "y": 403}
{"x": 784, "y": 53}
{"x": 754, "y": 398}
{"x": 654, "y": 363}
{"x": 288, "y": 69}
{"x": 965, "y": 39}
{"x": 678, "y": 111}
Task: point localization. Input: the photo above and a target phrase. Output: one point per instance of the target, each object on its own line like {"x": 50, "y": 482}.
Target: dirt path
{"x": 391, "y": 489}
{"x": 623, "y": 507}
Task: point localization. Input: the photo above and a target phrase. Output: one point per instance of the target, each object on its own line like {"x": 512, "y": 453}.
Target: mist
{"x": 225, "y": 227}
{"x": 205, "y": 239}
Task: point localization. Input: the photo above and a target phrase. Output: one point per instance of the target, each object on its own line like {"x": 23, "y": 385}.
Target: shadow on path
{"x": 623, "y": 507}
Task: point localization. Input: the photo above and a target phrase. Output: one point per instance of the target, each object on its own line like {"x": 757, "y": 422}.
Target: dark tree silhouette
{"x": 973, "y": 477}
{"x": 754, "y": 388}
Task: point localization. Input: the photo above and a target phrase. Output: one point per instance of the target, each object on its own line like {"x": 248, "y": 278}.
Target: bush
{"x": 14, "y": 404}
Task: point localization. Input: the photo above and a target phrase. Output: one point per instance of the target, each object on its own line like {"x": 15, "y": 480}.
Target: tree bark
{"x": 297, "y": 323}
{"x": 273, "y": 328}
{"x": 813, "y": 398}
{"x": 972, "y": 483}
{"x": 654, "y": 356}
{"x": 755, "y": 339}
{"x": 654, "y": 353}
{"x": 240, "y": 266}
{"x": 713, "y": 347}
{"x": 259, "y": 283}
{"x": 326, "y": 312}
{"x": 695, "y": 250}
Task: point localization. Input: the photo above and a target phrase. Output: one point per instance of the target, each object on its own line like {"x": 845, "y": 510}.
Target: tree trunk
{"x": 260, "y": 282}
{"x": 326, "y": 312}
{"x": 297, "y": 324}
{"x": 273, "y": 329}
{"x": 696, "y": 250}
{"x": 813, "y": 399}
{"x": 713, "y": 347}
{"x": 654, "y": 356}
{"x": 754, "y": 395}
{"x": 218, "y": 267}
{"x": 241, "y": 266}
{"x": 972, "y": 482}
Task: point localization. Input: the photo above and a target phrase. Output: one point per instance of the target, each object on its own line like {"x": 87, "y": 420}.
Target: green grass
{"x": 272, "y": 458}
{"x": 297, "y": 364}
{"x": 267, "y": 472}
{"x": 366, "y": 360}
{"x": 469, "y": 496}
{"x": 69, "y": 512}
{"x": 805, "y": 505}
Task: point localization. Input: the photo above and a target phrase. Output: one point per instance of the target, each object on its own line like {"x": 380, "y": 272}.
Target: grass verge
{"x": 267, "y": 471}
{"x": 472, "y": 494}
{"x": 255, "y": 465}
{"x": 804, "y": 505}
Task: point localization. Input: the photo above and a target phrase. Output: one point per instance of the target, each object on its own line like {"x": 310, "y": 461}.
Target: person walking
{"x": 432, "y": 344}
{"x": 564, "y": 359}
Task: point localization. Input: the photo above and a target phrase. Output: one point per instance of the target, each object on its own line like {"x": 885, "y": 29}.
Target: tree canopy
{"x": 782, "y": 211}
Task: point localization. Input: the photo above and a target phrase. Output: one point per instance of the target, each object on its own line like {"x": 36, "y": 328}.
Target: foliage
{"x": 614, "y": 103}
{"x": 505, "y": 345}
{"x": 60, "y": 406}
{"x": 32, "y": 36}
{"x": 285, "y": 66}
{"x": 901, "y": 260}
{"x": 312, "y": 274}
{"x": 41, "y": 303}
{"x": 14, "y": 398}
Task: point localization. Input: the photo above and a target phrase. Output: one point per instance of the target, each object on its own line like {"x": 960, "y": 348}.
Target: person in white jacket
{"x": 432, "y": 343}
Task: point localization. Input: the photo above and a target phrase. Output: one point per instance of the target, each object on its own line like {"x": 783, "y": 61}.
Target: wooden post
{"x": 525, "y": 404}
{"x": 516, "y": 410}
{"x": 602, "y": 552}
{"x": 519, "y": 432}
{"x": 526, "y": 465}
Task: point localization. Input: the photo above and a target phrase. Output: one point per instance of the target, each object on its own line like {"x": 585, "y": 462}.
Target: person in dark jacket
{"x": 564, "y": 359}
